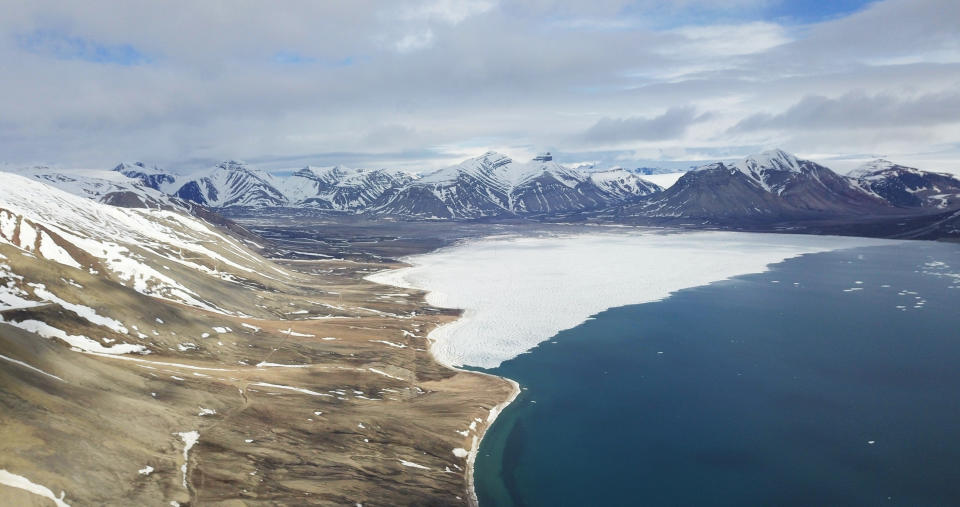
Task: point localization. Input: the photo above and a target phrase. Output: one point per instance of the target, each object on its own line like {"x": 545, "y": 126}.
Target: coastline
{"x": 475, "y": 446}
{"x": 727, "y": 249}
{"x": 472, "y": 499}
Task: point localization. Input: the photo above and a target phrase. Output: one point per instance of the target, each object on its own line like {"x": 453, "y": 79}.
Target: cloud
{"x": 87, "y": 84}
{"x": 448, "y": 11}
{"x": 671, "y": 124}
{"x": 857, "y": 109}
{"x": 414, "y": 41}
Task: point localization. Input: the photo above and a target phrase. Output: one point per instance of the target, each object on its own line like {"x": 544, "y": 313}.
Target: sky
{"x": 424, "y": 84}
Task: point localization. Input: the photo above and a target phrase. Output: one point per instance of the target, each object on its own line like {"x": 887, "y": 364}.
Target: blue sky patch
{"x": 296, "y": 58}
{"x": 787, "y": 12}
{"x": 65, "y": 47}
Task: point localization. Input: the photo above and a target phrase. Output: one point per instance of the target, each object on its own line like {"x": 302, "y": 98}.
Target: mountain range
{"x": 490, "y": 185}
{"x": 771, "y": 187}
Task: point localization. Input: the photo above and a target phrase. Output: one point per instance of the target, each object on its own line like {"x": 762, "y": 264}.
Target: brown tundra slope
{"x": 147, "y": 358}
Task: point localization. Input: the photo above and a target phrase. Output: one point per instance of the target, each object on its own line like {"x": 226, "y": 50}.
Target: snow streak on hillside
{"x": 135, "y": 246}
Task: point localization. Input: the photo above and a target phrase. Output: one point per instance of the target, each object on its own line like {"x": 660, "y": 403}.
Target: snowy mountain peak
{"x": 495, "y": 158}
{"x": 152, "y": 177}
{"x": 481, "y": 167}
{"x": 325, "y": 173}
{"x": 139, "y": 167}
{"x": 776, "y": 159}
{"x": 231, "y": 183}
{"x": 872, "y": 167}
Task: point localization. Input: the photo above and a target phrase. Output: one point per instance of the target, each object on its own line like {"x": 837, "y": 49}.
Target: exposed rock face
{"x": 770, "y": 186}
{"x": 340, "y": 188}
{"x": 147, "y": 357}
{"x": 151, "y": 177}
{"x": 907, "y": 186}
{"x": 232, "y": 183}
{"x": 495, "y": 185}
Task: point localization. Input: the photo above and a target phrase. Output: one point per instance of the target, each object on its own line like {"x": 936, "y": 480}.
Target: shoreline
{"x": 475, "y": 446}
{"x": 775, "y": 251}
{"x": 495, "y": 412}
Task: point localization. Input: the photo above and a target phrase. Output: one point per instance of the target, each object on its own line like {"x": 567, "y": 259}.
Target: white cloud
{"x": 414, "y": 41}
{"x": 727, "y": 40}
{"x": 449, "y": 11}
{"x": 391, "y": 82}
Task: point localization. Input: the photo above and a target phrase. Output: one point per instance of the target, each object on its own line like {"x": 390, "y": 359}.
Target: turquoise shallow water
{"x": 780, "y": 388}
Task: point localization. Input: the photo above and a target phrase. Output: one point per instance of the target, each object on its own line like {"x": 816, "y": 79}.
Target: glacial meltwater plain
{"x": 753, "y": 370}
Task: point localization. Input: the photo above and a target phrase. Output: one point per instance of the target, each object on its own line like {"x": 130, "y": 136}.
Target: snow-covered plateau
{"x": 517, "y": 292}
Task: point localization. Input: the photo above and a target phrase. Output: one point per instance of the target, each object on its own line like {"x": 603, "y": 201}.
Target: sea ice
{"x": 517, "y": 292}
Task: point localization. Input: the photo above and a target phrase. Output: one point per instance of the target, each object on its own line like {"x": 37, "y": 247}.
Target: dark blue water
{"x": 778, "y": 388}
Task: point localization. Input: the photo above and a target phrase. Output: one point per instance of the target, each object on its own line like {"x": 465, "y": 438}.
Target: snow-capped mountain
{"x": 110, "y": 187}
{"x": 495, "y": 185}
{"x": 489, "y": 185}
{"x": 623, "y": 184}
{"x": 474, "y": 188}
{"x": 232, "y": 183}
{"x": 133, "y": 247}
{"x": 151, "y": 177}
{"x": 338, "y": 187}
{"x": 770, "y": 185}
{"x": 907, "y": 186}
{"x": 766, "y": 187}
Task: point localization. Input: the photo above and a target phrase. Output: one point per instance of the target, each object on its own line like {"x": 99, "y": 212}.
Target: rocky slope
{"x": 231, "y": 183}
{"x": 340, "y": 188}
{"x": 908, "y": 187}
{"x": 495, "y": 185}
{"x": 770, "y": 186}
{"x": 150, "y": 358}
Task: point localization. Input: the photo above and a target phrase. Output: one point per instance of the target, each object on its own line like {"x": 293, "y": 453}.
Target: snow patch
{"x": 189, "y": 438}
{"x": 21, "y": 482}
{"x": 412, "y": 465}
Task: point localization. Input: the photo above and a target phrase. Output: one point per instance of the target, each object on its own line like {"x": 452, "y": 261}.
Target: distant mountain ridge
{"x": 908, "y": 186}
{"x": 773, "y": 185}
{"x": 485, "y": 186}
{"x": 766, "y": 188}
{"x": 495, "y": 185}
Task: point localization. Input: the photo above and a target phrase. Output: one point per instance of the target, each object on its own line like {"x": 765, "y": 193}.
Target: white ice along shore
{"x": 518, "y": 292}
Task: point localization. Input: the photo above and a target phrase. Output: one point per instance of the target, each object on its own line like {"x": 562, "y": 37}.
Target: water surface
{"x": 832, "y": 379}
